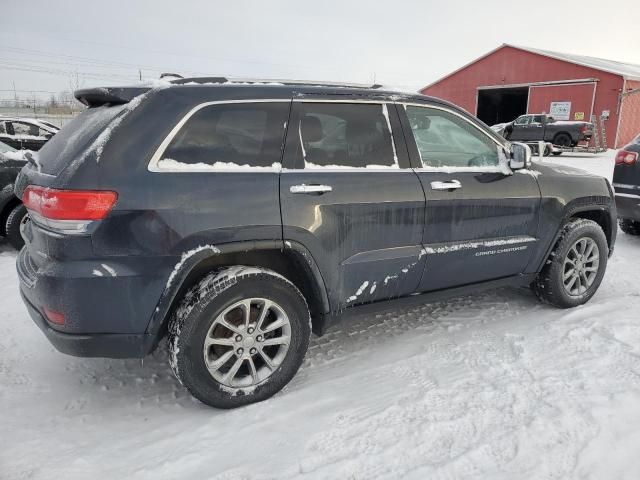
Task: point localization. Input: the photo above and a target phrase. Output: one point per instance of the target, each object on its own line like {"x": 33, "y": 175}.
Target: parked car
{"x": 235, "y": 219}
{"x": 626, "y": 181}
{"x": 12, "y": 212}
{"x": 25, "y": 133}
{"x": 537, "y": 127}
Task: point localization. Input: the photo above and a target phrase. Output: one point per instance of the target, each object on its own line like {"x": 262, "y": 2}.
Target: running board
{"x": 413, "y": 300}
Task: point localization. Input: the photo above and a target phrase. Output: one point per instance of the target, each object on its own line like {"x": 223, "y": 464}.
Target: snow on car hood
{"x": 561, "y": 169}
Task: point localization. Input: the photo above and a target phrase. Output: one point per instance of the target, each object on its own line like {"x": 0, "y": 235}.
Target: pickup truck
{"x": 536, "y": 127}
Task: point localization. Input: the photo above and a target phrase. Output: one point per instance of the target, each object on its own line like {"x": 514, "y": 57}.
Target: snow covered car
{"x": 235, "y": 219}
{"x": 626, "y": 181}
{"x": 25, "y": 133}
{"x": 12, "y": 213}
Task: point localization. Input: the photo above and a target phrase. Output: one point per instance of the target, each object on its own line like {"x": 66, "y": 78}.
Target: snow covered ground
{"x": 490, "y": 386}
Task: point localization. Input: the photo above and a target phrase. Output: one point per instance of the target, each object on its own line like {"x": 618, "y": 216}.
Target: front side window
{"x": 446, "y": 140}
{"x": 537, "y": 119}
{"x": 230, "y": 135}
{"x": 524, "y": 120}
{"x": 345, "y": 135}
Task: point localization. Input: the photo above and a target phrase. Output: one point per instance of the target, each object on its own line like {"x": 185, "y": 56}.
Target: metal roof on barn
{"x": 627, "y": 70}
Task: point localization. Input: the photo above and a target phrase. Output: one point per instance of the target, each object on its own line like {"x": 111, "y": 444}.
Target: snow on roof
{"x": 628, "y": 70}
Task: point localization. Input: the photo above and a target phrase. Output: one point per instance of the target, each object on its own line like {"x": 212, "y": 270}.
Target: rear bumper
{"x": 628, "y": 206}
{"x": 106, "y": 306}
{"x": 91, "y": 345}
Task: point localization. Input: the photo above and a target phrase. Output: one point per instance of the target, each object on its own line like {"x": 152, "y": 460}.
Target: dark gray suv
{"x": 236, "y": 219}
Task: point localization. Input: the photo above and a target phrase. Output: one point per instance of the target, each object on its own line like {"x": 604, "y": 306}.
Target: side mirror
{"x": 520, "y": 156}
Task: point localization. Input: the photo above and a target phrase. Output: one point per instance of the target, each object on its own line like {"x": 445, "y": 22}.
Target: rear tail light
{"x": 69, "y": 211}
{"x": 624, "y": 157}
{"x": 54, "y": 317}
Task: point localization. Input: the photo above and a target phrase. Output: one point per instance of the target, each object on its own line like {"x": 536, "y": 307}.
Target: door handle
{"x": 451, "y": 185}
{"x": 309, "y": 189}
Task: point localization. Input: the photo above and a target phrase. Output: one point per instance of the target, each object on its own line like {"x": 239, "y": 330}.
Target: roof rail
{"x": 182, "y": 81}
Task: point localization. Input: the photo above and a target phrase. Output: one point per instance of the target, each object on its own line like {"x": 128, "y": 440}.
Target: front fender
{"x": 568, "y": 192}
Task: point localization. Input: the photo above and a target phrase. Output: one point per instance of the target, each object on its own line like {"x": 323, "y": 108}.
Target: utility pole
{"x": 15, "y": 95}
{"x": 140, "y": 74}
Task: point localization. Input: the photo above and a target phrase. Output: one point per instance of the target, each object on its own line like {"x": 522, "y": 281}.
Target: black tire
{"x": 562, "y": 140}
{"x": 549, "y": 285}
{"x": 629, "y": 227}
{"x": 556, "y": 153}
{"x": 547, "y": 151}
{"x": 12, "y": 226}
{"x": 197, "y": 312}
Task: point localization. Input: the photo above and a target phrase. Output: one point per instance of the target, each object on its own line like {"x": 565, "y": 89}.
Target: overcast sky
{"x": 45, "y": 44}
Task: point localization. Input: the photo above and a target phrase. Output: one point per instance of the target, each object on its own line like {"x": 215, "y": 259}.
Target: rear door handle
{"x": 310, "y": 189}
{"x": 451, "y": 185}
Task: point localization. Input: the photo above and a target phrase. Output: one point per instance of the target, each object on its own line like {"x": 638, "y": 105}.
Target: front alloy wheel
{"x": 581, "y": 266}
{"x": 575, "y": 268}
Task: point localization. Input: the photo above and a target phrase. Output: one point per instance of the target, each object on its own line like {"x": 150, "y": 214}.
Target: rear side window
{"x": 345, "y": 135}
{"x": 446, "y": 140}
{"x": 229, "y": 135}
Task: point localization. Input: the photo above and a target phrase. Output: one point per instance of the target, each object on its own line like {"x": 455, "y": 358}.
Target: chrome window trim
{"x": 627, "y": 195}
{"x": 157, "y": 156}
{"x": 626, "y": 185}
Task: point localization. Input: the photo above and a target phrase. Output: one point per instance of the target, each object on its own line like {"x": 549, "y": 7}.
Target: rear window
{"x": 230, "y": 135}
{"x": 76, "y": 137}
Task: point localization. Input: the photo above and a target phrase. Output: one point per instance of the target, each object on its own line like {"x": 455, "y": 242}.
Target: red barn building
{"x": 510, "y": 81}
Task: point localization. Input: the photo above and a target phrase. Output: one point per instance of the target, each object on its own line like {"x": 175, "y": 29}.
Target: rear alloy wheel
{"x": 239, "y": 336}
{"x": 247, "y": 342}
{"x": 15, "y": 220}
{"x": 629, "y": 227}
{"x": 575, "y": 268}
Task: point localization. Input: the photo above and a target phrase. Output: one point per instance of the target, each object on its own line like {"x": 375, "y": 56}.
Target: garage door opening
{"x": 500, "y": 105}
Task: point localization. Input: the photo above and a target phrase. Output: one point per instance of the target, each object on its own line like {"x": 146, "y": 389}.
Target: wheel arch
{"x": 292, "y": 260}
{"x": 596, "y": 209}
{"x": 602, "y": 217}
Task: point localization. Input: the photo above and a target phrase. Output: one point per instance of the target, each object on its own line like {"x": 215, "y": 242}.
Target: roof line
{"x": 464, "y": 66}
{"x": 558, "y": 56}
{"x": 543, "y": 53}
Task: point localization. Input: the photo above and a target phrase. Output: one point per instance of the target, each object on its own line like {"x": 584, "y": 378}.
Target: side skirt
{"x": 419, "y": 299}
